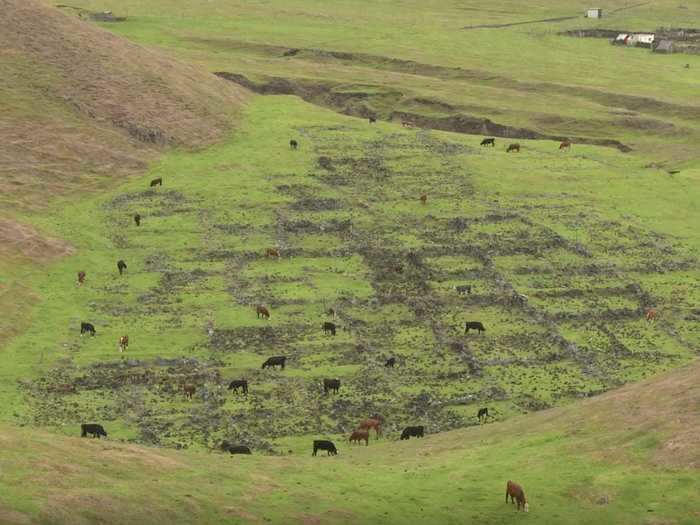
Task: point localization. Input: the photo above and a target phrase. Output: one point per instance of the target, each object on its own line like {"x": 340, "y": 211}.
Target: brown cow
{"x": 123, "y": 343}
{"x": 263, "y": 312}
{"x": 565, "y": 145}
{"x": 650, "y": 314}
{"x": 424, "y": 198}
{"x": 81, "y": 277}
{"x": 189, "y": 391}
{"x": 369, "y": 424}
{"x": 516, "y": 494}
{"x": 359, "y": 435}
{"x": 513, "y": 147}
{"x": 272, "y": 252}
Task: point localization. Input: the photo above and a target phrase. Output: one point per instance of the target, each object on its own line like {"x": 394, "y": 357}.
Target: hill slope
{"x": 626, "y": 457}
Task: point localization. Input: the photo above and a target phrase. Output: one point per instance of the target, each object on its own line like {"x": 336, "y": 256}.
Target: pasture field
{"x": 344, "y": 211}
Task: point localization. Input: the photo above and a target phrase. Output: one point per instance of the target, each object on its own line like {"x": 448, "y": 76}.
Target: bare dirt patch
{"x": 24, "y": 241}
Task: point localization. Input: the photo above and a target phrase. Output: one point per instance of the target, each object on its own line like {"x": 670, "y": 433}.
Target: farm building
{"x": 641, "y": 40}
{"x": 594, "y": 12}
{"x": 622, "y": 39}
{"x": 664, "y": 46}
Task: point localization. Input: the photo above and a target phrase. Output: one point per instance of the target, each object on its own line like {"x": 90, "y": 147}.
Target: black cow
{"x": 328, "y": 328}
{"x": 137, "y": 219}
{"x": 87, "y": 327}
{"x": 293, "y": 144}
{"x": 488, "y": 142}
{"x": 234, "y": 449}
{"x": 390, "y": 362}
{"x": 92, "y": 428}
{"x": 410, "y": 432}
{"x": 331, "y": 384}
{"x": 372, "y": 120}
{"x": 157, "y": 182}
{"x": 121, "y": 266}
{"x": 237, "y": 384}
{"x": 328, "y": 446}
{"x": 463, "y": 289}
{"x": 278, "y": 360}
{"x": 473, "y": 325}
{"x": 482, "y": 414}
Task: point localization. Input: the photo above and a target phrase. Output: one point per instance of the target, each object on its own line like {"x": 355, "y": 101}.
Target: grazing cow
{"x": 565, "y": 145}
{"x": 368, "y": 424}
{"x": 390, "y": 362}
{"x": 278, "y": 360}
{"x": 409, "y": 432}
{"x": 463, "y": 289}
{"x": 488, "y": 142}
{"x": 328, "y": 328}
{"x": 81, "y": 277}
{"x": 263, "y": 312}
{"x": 482, "y": 414}
{"x": 424, "y": 198}
{"x": 518, "y": 299}
{"x": 189, "y": 391}
{"x": 241, "y": 384}
{"x": 513, "y": 147}
{"x": 372, "y": 120}
{"x": 650, "y": 314}
{"x": 516, "y": 494}
{"x": 358, "y": 435}
{"x": 157, "y": 182}
{"x": 92, "y": 428}
{"x": 137, "y": 219}
{"x": 328, "y": 446}
{"x": 87, "y": 327}
{"x": 331, "y": 385}
{"x": 474, "y": 325}
{"x": 331, "y": 312}
{"x": 272, "y": 252}
{"x": 234, "y": 449}
{"x": 293, "y": 144}
{"x": 123, "y": 342}
{"x": 121, "y": 266}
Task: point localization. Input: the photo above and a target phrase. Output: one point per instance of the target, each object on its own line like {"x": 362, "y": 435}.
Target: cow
{"x": 121, "y": 266}
{"x": 157, "y": 182}
{"x": 474, "y": 325}
{"x": 488, "y": 142}
{"x": 565, "y": 145}
{"x": 293, "y": 144}
{"x": 372, "y": 120}
{"x": 87, "y": 327}
{"x": 358, "y": 435}
{"x": 331, "y": 312}
{"x": 407, "y": 124}
{"x": 513, "y": 147}
{"x": 390, "y": 363}
{"x": 409, "y": 432}
{"x": 92, "y": 428}
{"x": 463, "y": 289}
{"x": 234, "y": 449}
{"x": 328, "y": 446}
{"x": 237, "y": 384}
{"x": 516, "y": 494}
{"x": 368, "y": 424}
{"x": 123, "y": 342}
{"x": 518, "y": 299}
{"x": 331, "y": 385}
{"x": 189, "y": 391}
{"x": 272, "y": 252}
{"x": 81, "y": 277}
{"x": 137, "y": 219}
{"x": 263, "y": 312}
{"x": 278, "y": 360}
{"x": 328, "y": 328}
{"x": 424, "y": 198}
{"x": 650, "y": 314}
{"x": 483, "y": 414}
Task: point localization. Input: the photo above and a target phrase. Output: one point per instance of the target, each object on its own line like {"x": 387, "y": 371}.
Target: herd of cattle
{"x": 362, "y": 432}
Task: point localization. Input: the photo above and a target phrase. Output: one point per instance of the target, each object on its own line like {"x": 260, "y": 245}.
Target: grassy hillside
{"x": 629, "y": 457}
{"x": 437, "y": 61}
{"x": 345, "y": 212}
